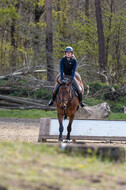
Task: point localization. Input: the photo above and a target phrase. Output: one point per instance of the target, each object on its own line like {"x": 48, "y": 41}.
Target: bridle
{"x": 65, "y": 99}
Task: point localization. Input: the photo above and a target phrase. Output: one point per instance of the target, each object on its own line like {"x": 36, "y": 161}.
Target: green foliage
{"x": 92, "y": 101}
{"x": 116, "y": 116}
{"x": 22, "y": 92}
{"x": 71, "y": 27}
{"x": 44, "y": 94}
{"x": 8, "y": 13}
{"x": 25, "y": 92}
{"x": 117, "y": 104}
{"x": 96, "y": 86}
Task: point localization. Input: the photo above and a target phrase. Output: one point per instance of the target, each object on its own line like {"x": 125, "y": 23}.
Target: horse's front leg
{"x": 69, "y": 127}
{"x": 60, "y": 118}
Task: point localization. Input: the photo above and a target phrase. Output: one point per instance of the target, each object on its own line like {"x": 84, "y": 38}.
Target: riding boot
{"x": 82, "y": 104}
{"x": 55, "y": 91}
{"x": 52, "y": 100}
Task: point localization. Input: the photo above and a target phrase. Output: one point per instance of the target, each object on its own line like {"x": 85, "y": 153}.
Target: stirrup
{"x": 50, "y": 103}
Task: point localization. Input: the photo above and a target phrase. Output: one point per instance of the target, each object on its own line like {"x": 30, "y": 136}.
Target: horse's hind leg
{"x": 69, "y": 128}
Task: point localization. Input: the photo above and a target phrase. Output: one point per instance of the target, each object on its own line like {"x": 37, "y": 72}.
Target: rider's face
{"x": 68, "y": 54}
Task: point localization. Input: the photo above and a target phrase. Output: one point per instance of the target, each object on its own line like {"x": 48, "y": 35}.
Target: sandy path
{"x": 12, "y": 129}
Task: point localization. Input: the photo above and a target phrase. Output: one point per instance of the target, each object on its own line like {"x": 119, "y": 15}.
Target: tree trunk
{"x": 87, "y": 18}
{"x": 101, "y": 41}
{"x": 87, "y": 8}
{"x": 49, "y": 42}
{"x": 87, "y": 29}
{"x": 13, "y": 40}
{"x": 38, "y": 12}
{"x": 108, "y": 38}
{"x": 117, "y": 54}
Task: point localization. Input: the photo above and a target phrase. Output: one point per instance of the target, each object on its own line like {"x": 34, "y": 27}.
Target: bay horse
{"x": 67, "y": 103}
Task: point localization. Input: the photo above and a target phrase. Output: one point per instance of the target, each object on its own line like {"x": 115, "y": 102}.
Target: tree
{"x": 13, "y": 37}
{"x": 39, "y": 10}
{"x": 49, "y": 42}
{"x": 101, "y": 41}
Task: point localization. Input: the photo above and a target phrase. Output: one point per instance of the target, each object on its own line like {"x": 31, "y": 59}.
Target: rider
{"x": 68, "y": 66}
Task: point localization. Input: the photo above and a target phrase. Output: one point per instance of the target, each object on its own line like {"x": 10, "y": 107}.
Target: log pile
{"x": 11, "y": 102}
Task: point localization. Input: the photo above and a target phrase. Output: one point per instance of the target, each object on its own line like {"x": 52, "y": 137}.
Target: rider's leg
{"x": 56, "y": 88}
{"x": 79, "y": 91}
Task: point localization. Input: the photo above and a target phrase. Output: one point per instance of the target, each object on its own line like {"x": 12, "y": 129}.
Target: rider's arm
{"x": 74, "y": 69}
{"x": 61, "y": 69}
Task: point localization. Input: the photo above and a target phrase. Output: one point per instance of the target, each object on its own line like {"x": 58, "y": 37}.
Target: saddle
{"x": 78, "y": 78}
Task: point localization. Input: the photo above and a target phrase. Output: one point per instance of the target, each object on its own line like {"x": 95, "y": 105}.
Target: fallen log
{"x": 46, "y": 108}
{"x": 5, "y": 103}
{"x": 40, "y": 101}
{"x": 19, "y": 101}
{"x": 5, "y": 88}
{"x": 9, "y": 102}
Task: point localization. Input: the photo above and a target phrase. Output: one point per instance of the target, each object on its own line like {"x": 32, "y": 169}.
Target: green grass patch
{"x": 33, "y": 114}
{"x": 116, "y": 116}
{"x": 35, "y": 166}
{"x": 36, "y": 114}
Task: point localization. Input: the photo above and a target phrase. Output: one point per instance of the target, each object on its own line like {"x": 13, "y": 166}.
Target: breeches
{"x": 76, "y": 85}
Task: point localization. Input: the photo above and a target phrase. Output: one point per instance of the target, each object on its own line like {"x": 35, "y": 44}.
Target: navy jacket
{"x": 68, "y": 67}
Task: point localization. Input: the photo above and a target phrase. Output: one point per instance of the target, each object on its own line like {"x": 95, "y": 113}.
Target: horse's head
{"x": 64, "y": 93}
{"x": 64, "y": 96}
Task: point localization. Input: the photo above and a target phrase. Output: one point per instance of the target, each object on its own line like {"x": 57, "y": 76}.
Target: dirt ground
{"x": 12, "y": 129}
{"x": 19, "y": 129}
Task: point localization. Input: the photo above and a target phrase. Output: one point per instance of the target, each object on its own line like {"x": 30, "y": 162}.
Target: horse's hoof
{"x": 60, "y": 140}
{"x": 67, "y": 141}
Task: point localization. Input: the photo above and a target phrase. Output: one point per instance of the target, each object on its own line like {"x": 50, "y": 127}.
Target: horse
{"x": 67, "y": 103}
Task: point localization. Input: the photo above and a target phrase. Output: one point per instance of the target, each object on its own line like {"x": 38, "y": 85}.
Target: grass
{"x": 33, "y": 113}
{"x": 36, "y": 114}
{"x": 116, "y": 116}
{"x": 38, "y": 167}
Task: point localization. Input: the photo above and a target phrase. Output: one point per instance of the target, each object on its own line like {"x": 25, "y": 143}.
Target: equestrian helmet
{"x": 68, "y": 48}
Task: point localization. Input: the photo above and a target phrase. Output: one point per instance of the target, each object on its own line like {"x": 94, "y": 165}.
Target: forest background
{"x": 34, "y": 34}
